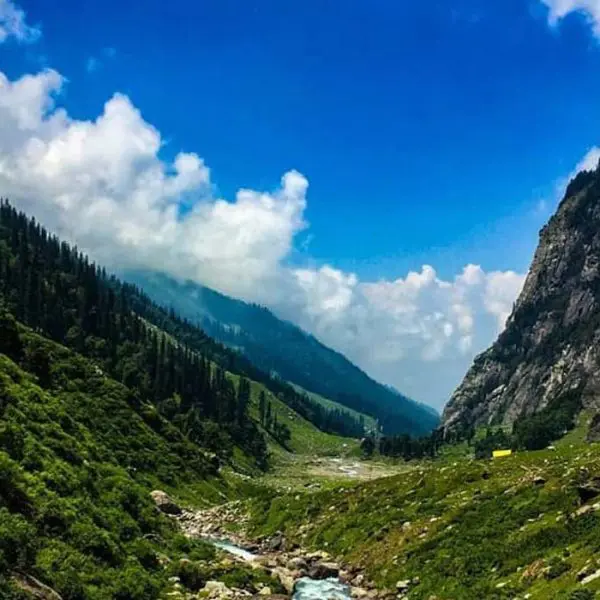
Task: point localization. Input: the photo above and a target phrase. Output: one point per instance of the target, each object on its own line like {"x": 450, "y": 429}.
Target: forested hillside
{"x": 56, "y": 290}
{"x": 79, "y": 455}
{"x": 277, "y": 346}
{"x": 104, "y": 397}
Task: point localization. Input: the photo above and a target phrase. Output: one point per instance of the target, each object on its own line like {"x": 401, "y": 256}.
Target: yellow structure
{"x": 501, "y": 453}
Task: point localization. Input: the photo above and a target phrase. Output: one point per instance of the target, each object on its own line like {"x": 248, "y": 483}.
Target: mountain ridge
{"x": 278, "y": 346}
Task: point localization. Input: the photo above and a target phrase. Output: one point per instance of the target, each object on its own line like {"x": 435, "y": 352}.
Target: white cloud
{"x": 13, "y": 25}
{"x": 419, "y": 332}
{"x": 559, "y": 9}
{"x": 589, "y": 162}
{"x": 103, "y": 185}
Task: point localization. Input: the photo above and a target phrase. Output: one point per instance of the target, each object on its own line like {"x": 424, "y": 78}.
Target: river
{"x": 306, "y": 588}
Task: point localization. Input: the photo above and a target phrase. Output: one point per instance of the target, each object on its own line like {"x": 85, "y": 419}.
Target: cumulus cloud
{"x": 419, "y": 332}
{"x": 559, "y": 9}
{"x": 103, "y": 185}
{"x": 13, "y": 25}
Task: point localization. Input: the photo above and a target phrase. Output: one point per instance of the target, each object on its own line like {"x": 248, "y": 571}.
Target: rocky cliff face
{"x": 550, "y": 349}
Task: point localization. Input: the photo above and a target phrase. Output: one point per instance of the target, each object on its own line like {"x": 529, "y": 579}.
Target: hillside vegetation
{"x": 105, "y": 397}
{"x": 461, "y": 528}
{"x": 57, "y": 291}
{"x": 79, "y": 456}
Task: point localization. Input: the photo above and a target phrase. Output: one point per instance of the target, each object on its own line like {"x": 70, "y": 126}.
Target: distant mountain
{"x": 547, "y": 360}
{"x": 281, "y": 348}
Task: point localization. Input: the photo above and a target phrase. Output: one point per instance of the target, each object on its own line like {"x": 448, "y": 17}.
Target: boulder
{"x": 589, "y": 489}
{"x": 164, "y": 503}
{"x": 217, "y": 589}
{"x": 285, "y": 578}
{"x": 297, "y": 563}
{"x": 276, "y": 542}
{"x": 324, "y": 570}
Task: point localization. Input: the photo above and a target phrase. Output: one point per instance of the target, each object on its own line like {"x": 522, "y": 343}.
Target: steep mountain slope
{"x": 79, "y": 456}
{"x": 277, "y": 346}
{"x": 56, "y": 290}
{"x": 548, "y": 357}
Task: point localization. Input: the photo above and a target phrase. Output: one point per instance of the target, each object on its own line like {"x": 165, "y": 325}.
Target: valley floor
{"x": 295, "y": 471}
{"x": 523, "y": 527}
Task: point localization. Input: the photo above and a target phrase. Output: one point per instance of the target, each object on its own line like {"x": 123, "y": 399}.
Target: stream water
{"x": 325, "y": 589}
{"x": 232, "y": 549}
{"x": 306, "y": 588}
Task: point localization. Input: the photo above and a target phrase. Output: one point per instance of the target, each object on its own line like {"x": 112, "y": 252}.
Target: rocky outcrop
{"x": 549, "y": 352}
{"x": 164, "y": 503}
{"x": 33, "y": 588}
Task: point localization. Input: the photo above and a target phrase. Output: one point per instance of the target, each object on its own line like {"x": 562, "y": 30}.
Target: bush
{"x": 17, "y": 539}
{"x": 556, "y": 568}
{"x": 192, "y": 575}
{"x": 582, "y": 595}
{"x": 136, "y": 584}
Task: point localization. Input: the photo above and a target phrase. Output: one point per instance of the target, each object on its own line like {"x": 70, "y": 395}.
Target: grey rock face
{"x": 550, "y": 348}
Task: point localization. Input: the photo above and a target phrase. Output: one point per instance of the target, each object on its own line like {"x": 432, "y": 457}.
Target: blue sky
{"x": 430, "y": 132}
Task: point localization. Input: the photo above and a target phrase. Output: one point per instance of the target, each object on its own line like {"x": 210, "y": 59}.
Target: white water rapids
{"x": 306, "y": 588}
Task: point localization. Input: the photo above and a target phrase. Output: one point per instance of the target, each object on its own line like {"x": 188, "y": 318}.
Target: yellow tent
{"x": 501, "y": 453}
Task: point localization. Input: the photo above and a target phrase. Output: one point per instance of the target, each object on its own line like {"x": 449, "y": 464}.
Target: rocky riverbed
{"x": 303, "y": 574}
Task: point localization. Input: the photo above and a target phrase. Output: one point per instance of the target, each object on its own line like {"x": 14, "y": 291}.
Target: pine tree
{"x": 262, "y": 407}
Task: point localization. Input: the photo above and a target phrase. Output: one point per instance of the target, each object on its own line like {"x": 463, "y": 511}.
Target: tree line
{"x": 56, "y": 290}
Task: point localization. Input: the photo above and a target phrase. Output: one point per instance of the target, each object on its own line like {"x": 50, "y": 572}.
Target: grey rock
{"x": 276, "y": 542}
{"x": 550, "y": 349}
{"x": 164, "y": 503}
{"x": 324, "y": 570}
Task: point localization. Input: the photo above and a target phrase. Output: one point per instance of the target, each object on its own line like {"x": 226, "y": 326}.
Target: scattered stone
{"x": 590, "y": 578}
{"x": 217, "y": 589}
{"x": 586, "y": 571}
{"x": 276, "y": 542}
{"x": 164, "y": 503}
{"x": 297, "y": 563}
{"x": 324, "y": 570}
{"x": 589, "y": 490}
{"x": 539, "y": 480}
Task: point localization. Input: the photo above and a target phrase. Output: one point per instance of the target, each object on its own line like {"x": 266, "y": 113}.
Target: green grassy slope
{"x": 370, "y": 422}
{"x": 306, "y": 438}
{"x": 78, "y": 459}
{"x": 467, "y": 529}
